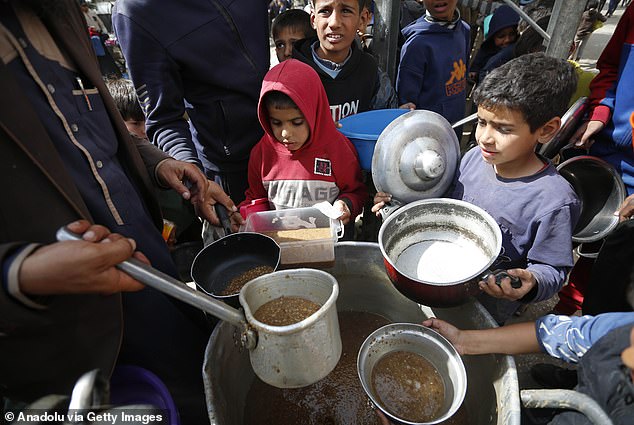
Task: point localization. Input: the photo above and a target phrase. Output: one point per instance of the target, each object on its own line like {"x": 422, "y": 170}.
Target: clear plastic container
{"x": 306, "y": 236}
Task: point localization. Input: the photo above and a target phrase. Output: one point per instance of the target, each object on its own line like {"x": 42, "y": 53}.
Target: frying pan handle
{"x": 169, "y": 286}
{"x": 225, "y": 222}
{"x": 501, "y": 274}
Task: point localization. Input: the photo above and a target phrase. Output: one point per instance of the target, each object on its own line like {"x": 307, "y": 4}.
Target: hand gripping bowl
{"x": 420, "y": 340}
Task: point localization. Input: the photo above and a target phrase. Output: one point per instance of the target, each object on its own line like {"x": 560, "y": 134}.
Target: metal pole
{"x": 563, "y": 26}
{"x": 566, "y": 399}
{"x": 528, "y": 19}
{"x": 385, "y": 35}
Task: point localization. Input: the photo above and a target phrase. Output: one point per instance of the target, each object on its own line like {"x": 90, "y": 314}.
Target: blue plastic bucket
{"x": 364, "y": 129}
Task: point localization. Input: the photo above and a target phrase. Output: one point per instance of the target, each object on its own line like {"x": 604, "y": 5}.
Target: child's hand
{"x": 380, "y": 199}
{"x": 447, "y": 330}
{"x": 408, "y": 105}
{"x": 505, "y": 290}
{"x": 345, "y": 211}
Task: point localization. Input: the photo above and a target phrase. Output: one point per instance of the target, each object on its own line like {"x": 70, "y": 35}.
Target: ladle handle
{"x": 225, "y": 222}
{"x": 169, "y": 286}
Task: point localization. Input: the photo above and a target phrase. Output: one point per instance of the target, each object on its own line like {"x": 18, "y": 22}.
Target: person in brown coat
{"x": 66, "y": 157}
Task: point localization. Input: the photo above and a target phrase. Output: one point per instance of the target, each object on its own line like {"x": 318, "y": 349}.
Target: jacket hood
{"x": 301, "y": 83}
{"x": 503, "y": 17}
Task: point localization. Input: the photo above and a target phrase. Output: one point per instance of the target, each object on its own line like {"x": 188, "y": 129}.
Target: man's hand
{"x": 626, "y": 210}
{"x": 80, "y": 267}
{"x": 409, "y": 105}
{"x": 583, "y": 137}
{"x": 505, "y": 290}
{"x": 192, "y": 184}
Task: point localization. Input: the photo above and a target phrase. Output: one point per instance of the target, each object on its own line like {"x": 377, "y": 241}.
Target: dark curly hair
{"x": 538, "y": 86}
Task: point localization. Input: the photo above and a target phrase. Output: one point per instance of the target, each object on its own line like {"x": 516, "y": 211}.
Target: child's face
{"x": 441, "y": 9}
{"x": 504, "y": 37}
{"x": 284, "y": 40}
{"x": 137, "y": 128}
{"x": 289, "y": 127}
{"x": 336, "y": 23}
{"x": 506, "y": 141}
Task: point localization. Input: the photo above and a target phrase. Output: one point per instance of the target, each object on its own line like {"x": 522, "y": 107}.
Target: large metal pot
{"x": 492, "y": 393}
{"x": 436, "y": 250}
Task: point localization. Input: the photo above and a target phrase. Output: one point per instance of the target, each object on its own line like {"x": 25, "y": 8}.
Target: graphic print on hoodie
{"x": 325, "y": 168}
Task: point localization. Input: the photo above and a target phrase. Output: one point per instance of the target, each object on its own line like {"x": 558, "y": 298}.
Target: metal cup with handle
{"x": 303, "y": 352}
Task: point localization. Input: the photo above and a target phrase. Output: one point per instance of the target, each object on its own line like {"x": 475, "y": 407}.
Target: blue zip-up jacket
{"x": 206, "y": 58}
{"x": 433, "y": 68}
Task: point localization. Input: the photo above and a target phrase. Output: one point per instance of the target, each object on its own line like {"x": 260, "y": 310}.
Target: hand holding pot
{"x": 625, "y": 211}
{"x": 380, "y": 200}
{"x": 504, "y": 289}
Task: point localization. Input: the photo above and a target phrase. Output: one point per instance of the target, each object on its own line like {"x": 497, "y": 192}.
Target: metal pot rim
{"x": 487, "y": 217}
{"x": 295, "y": 327}
{"x": 437, "y": 339}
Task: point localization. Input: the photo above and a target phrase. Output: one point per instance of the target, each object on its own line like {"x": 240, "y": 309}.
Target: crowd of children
{"x": 324, "y": 75}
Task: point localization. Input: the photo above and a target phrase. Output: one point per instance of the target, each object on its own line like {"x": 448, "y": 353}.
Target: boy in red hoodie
{"x": 302, "y": 159}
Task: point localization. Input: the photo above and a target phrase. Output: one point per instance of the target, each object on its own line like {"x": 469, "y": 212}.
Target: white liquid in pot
{"x": 442, "y": 262}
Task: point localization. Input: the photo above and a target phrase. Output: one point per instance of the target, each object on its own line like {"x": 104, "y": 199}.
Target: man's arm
{"x": 159, "y": 88}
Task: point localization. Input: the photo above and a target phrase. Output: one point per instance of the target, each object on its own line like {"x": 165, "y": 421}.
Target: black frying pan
{"x": 229, "y": 257}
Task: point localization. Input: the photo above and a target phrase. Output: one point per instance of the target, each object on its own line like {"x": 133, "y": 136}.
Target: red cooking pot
{"x": 437, "y": 250}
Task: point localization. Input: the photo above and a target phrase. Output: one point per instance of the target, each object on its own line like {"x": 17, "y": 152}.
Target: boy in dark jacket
{"x": 498, "y": 44}
{"x": 287, "y": 28}
{"x": 352, "y": 78}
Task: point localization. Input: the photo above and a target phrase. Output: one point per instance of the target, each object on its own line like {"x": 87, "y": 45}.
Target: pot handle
{"x": 389, "y": 208}
{"x": 501, "y": 274}
{"x": 221, "y": 212}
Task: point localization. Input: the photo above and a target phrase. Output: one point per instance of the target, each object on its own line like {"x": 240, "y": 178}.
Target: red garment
{"x": 326, "y": 168}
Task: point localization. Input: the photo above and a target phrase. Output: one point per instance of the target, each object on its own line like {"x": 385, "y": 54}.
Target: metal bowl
{"x": 420, "y": 340}
{"x": 601, "y": 192}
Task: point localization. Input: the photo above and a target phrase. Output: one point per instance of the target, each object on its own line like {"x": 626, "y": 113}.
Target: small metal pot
{"x": 436, "y": 251}
{"x": 304, "y": 352}
{"x": 600, "y": 190}
{"x": 420, "y": 340}
{"x": 277, "y": 351}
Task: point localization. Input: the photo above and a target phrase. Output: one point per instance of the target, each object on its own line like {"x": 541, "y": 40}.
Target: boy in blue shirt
{"x": 519, "y": 106}
{"x": 433, "y": 68}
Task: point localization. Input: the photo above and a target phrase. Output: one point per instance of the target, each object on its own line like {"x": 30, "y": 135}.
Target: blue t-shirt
{"x": 536, "y": 215}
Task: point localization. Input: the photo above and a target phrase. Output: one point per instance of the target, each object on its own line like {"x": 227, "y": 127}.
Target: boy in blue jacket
{"x": 433, "y": 68}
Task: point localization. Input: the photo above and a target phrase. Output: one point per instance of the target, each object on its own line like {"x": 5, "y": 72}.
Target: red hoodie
{"x": 325, "y": 168}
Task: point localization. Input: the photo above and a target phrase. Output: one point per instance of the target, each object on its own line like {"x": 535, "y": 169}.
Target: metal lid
{"x": 416, "y": 157}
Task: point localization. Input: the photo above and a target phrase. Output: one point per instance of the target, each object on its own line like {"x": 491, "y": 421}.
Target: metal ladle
{"x": 290, "y": 356}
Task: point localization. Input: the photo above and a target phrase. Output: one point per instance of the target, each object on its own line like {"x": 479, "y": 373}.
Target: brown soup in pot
{"x": 408, "y": 386}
